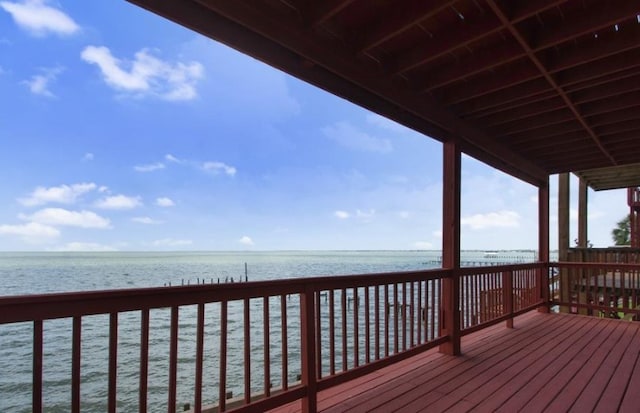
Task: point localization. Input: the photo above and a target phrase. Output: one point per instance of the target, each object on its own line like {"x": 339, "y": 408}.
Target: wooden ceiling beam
{"x": 544, "y": 132}
{"x": 399, "y": 20}
{"x": 627, "y": 136}
{"x": 487, "y": 83}
{"x": 607, "y": 87}
{"x": 512, "y": 114}
{"x": 559, "y": 116}
{"x": 509, "y": 104}
{"x": 571, "y": 137}
{"x": 600, "y": 15}
{"x": 468, "y": 33}
{"x": 577, "y": 77}
{"x": 532, "y": 56}
{"x": 606, "y": 130}
{"x": 439, "y": 46}
{"x": 580, "y": 159}
{"x": 612, "y": 104}
{"x": 317, "y": 12}
{"x": 624, "y": 115}
{"x": 563, "y": 151}
{"x": 603, "y": 16}
{"x": 469, "y": 66}
{"x": 567, "y": 69}
{"x": 597, "y": 50}
{"x": 523, "y": 9}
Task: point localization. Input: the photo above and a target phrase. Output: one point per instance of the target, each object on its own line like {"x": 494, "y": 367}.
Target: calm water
{"x": 29, "y": 273}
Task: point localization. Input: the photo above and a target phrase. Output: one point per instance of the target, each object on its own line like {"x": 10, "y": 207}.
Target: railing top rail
{"x": 500, "y": 268}
{"x": 595, "y": 265}
{"x": 59, "y": 305}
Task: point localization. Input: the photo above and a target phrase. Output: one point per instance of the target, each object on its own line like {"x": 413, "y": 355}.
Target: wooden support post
{"x": 450, "y": 310}
{"x": 563, "y": 237}
{"x": 307, "y": 324}
{"x": 543, "y": 245}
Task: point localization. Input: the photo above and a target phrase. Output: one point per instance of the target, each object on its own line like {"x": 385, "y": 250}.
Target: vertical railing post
{"x": 507, "y": 296}
{"x": 450, "y": 314}
{"x": 308, "y": 344}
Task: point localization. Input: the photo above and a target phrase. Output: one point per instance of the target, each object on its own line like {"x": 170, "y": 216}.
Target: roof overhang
{"x": 612, "y": 178}
{"x": 531, "y": 88}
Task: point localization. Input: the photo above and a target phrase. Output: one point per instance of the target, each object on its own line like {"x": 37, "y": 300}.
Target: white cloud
{"x": 217, "y": 167}
{"x": 341, "y": 214}
{"x": 84, "y": 247}
{"x": 437, "y": 233}
{"x": 146, "y": 220}
{"x": 165, "y": 202}
{"x": 422, "y": 245}
{"x": 63, "y": 194}
{"x": 346, "y": 135}
{"x": 172, "y": 158}
{"x": 119, "y": 202}
{"x": 39, "y": 19}
{"x": 149, "y": 167}
{"x": 500, "y": 219}
{"x": 39, "y": 84}
{"x": 103, "y": 189}
{"x": 88, "y": 157}
{"x": 170, "y": 242}
{"x": 146, "y": 75}
{"x": 245, "y": 240}
{"x": 63, "y": 217}
{"x": 31, "y": 232}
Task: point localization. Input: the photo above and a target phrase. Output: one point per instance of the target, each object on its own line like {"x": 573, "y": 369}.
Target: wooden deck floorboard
{"x": 548, "y": 362}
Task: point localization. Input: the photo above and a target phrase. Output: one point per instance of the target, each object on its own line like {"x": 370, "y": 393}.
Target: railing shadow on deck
{"x": 266, "y": 343}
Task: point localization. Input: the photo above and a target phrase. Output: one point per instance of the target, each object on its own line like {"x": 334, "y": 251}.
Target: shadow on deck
{"x": 547, "y": 362}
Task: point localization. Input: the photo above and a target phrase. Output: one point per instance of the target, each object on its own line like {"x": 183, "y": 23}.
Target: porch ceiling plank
{"x": 519, "y": 95}
{"x": 518, "y": 36}
{"x": 611, "y": 104}
{"x": 491, "y": 58}
{"x": 581, "y": 57}
{"x": 317, "y": 13}
{"x": 612, "y": 118}
{"x": 556, "y": 117}
{"x": 523, "y": 9}
{"x": 582, "y": 76}
{"x": 515, "y": 112}
{"x": 630, "y": 126}
{"x": 573, "y": 138}
{"x": 600, "y": 15}
{"x": 586, "y": 152}
{"x": 466, "y": 33}
{"x": 612, "y": 177}
{"x": 544, "y": 132}
{"x": 607, "y": 90}
{"x": 497, "y": 81}
{"x": 400, "y": 20}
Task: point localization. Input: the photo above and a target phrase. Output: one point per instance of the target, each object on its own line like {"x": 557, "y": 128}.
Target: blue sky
{"x": 120, "y": 130}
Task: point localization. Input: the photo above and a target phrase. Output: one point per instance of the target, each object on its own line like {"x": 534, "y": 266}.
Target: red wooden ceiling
{"x": 530, "y": 87}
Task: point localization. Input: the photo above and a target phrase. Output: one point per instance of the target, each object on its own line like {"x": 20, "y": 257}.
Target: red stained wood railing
{"x": 493, "y": 294}
{"x": 597, "y": 289}
{"x": 331, "y": 329}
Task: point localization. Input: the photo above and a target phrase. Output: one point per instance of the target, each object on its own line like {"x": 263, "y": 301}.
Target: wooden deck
{"x": 547, "y": 362}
